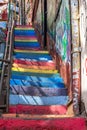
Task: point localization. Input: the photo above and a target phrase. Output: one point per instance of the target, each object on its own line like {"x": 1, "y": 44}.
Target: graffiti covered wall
{"x": 39, "y": 15}
{"x": 63, "y": 31}
{"x": 52, "y": 8}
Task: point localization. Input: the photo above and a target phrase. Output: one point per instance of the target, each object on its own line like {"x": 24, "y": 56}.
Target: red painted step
{"x": 52, "y": 124}
{"x": 36, "y": 63}
{"x": 38, "y": 110}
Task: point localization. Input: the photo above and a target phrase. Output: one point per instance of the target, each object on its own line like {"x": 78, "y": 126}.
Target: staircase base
{"x": 43, "y": 124}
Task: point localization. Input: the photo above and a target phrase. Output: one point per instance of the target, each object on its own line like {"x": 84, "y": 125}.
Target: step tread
{"x": 35, "y": 83}
{"x": 46, "y": 58}
{"x": 29, "y": 48}
{"x": 30, "y": 52}
{"x": 36, "y": 100}
{"x": 38, "y": 110}
{"x": 34, "y": 66}
{"x": 31, "y": 62}
{"x": 24, "y": 70}
{"x": 25, "y": 38}
{"x": 36, "y": 117}
{"x": 24, "y": 29}
{"x": 38, "y": 91}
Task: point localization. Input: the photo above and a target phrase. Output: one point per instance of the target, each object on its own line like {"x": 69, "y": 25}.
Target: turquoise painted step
{"x": 35, "y": 100}
{"x": 52, "y": 78}
{"x": 36, "y": 84}
{"x": 24, "y": 33}
{"x": 38, "y": 91}
{"x": 32, "y": 74}
{"x": 26, "y": 44}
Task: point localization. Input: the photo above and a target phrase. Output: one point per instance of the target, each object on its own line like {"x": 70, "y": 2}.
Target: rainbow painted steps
{"x": 35, "y": 84}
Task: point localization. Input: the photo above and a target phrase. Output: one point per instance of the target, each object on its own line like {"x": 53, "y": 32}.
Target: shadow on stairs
{"x": 37, "y": 91}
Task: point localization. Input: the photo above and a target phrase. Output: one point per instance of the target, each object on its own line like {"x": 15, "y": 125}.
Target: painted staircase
{"x": 38, "y": 95}
{"x": 36, "y": 87}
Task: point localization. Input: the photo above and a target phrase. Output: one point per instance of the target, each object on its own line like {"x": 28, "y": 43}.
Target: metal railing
{"x": 6, "y": 69}
{"x": 6, "y": 65}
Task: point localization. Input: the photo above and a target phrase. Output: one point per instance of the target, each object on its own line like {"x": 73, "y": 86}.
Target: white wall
{"x": 83, "y": 36}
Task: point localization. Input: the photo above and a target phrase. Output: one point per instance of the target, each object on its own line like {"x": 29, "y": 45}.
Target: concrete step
{"x": 36, "y": 100}
{"x": 38, "y": 91}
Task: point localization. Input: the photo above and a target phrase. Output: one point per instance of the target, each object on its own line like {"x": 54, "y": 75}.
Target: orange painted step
{"x": 35, "y": 67}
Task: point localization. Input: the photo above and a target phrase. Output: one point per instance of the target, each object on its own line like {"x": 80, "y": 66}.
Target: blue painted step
{"x": 44, "y": 78}
{"x": 35, "y": 58}
{"x": 24, "y": 33}
{"x": 38, "y": 91}
{"x": 35, "y": 100}
{"x": 26, "y": 83}
{"x": 26, "y": 44}
{"x": 31, "y": 55}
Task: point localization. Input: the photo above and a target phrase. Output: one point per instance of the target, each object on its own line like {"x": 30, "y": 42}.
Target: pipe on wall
{"x": 76, "y": 56}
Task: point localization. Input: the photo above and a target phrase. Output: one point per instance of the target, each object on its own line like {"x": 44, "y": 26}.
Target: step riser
{"x": 25, "y": 38}
{"x": 43, "y": 124}
{"x": 34, "y": 63}
{"x": 28, "y": 48}
{"x": 35, "y": 57}
{"x": 33, "y": 91}
{"x": 24, "y": 33}
{"x": 33, "y": 74}
{"x": 45, "y": 78}
{"x": 26, "y": 83}
{"x": 26, "y": 44}
{"x": 34, "y": 67}
{"x": 38, "y": 110}
{"x": 35, "y": 100}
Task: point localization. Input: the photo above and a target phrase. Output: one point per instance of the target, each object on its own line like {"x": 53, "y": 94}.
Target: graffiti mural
{"x": 29, "y": 11}
{"x": 39, "y": 16}
{"x": 52, "y": 8}
{"x": 63, "y": 31}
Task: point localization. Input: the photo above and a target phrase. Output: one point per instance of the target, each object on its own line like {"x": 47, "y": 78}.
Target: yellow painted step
{"x": 24, "y": 28}
{"x": 29, "y": 51}
{"x": 19, "y": 69}
{"x": 23, "y": 40}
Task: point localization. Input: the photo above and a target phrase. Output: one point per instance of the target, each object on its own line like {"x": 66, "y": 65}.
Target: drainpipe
{"x": 76, "y": 56}
{"x": 20, "y": 11}
{"x": 45, "y": 23}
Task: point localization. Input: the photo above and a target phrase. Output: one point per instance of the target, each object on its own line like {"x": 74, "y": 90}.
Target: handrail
{"x": 5, "y": 58}
{"x": 6, "y": 64}
{"x": 6, "y": 67}
{"x": 9, "y": 65}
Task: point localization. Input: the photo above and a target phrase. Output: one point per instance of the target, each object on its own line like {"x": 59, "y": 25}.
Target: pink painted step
{"x": 38, "y": 110}
{"x": 43, "y": 124}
